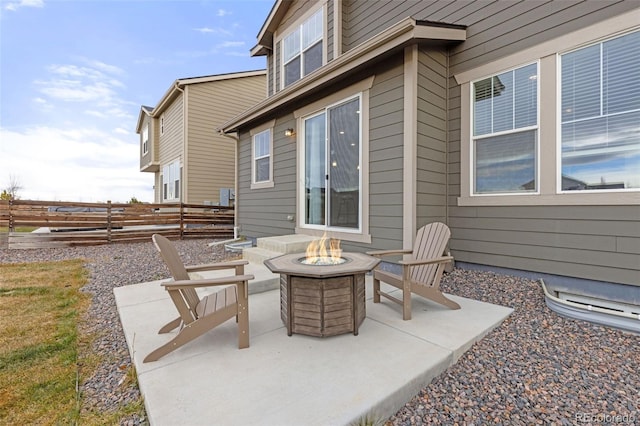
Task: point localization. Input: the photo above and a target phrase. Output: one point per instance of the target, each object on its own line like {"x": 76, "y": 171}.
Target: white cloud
{"x": 226, "y": 44}
{"x": 238, "y": 54}
{"x": 75, "y": 90}
{"x": 15, "y": 5}
{"x": 93, "y": 82}
{"x": 121, "y": 131}
{"x": 109, "y": 69}
{"x": 208, "y": 30}
{"x": 74, "y": 164}
{"x": 223, "y": 12}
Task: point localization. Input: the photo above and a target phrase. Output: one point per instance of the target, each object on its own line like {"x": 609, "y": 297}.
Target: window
{"x": 600, "y": 114}
{"x": 262, "y": 156}
{"x": 586, "y": 149}
{"x": 302, "y": 49}
{"x": 505, "y": 132}
{"x": 171, "y": 181}
{"x": 145, "y": 139}
{"x": 162, "y": 124}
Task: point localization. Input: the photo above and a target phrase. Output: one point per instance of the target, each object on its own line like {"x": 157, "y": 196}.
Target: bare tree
{"x": 13, "y": 188}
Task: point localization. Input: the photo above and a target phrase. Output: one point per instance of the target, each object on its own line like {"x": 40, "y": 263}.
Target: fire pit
{"x": 325, "y": 296}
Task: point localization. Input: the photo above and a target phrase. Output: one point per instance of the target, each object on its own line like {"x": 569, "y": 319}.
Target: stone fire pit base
{"x": 322, "y": 306}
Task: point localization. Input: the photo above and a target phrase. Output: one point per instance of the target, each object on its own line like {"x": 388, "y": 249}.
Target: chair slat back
{"x": 431, "y": 241}
{"x": 172, "y": 259}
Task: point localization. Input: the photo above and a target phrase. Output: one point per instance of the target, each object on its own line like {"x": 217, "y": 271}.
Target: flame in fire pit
{"x": 317, "y": 253}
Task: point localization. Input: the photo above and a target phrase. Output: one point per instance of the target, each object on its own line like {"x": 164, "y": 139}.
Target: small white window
{"x": 262, "y": 149}
{"x": 145, "y": 139}
{"x": 302, "y": 49}
{"x": 505, "y": 132}
{"x": 171, "y": 181}
{"x": 600, "y": 112}
{"x": 162, "y": 124}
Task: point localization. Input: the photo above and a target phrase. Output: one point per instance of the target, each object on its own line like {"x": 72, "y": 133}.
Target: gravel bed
{"x": 536, "y": 368}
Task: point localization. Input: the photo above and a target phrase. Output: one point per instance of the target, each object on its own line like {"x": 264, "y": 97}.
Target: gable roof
{"x": 177, "y": 86}
{"x": 405, "y": 32}
{"x": 265, "y": 36}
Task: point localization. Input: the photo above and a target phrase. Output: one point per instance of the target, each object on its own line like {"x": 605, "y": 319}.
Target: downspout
{"x": 446, "y": 141}
{"x": 236, "y": 138}
{"x": 183, "y": 179}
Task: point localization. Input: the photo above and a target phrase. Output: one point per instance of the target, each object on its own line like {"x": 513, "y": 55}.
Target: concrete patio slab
{"x": 282, "y": 380}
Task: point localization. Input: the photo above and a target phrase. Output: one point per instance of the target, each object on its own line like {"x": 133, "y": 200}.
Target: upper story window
{"x": 162, "y": 124}
{"x": 600, "y": 115}
{"x": 302, "y": 49}
{"x": 505, "y": 132}
{"x": 145, "y": 139}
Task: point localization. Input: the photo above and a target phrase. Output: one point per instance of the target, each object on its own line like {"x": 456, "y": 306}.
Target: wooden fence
{"x": 76, "y": 224}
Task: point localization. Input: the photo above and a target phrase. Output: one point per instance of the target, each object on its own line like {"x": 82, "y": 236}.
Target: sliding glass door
{"x": 331, "y": 168}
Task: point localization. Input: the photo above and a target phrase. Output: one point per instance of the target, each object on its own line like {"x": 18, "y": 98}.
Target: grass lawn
{"x": 43, "y": 356}
{"x": 19, "y": 229}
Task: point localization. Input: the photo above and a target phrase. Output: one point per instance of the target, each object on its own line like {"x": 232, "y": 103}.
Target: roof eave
{"x": 141, "y": 115}
{"x": 405, "y": 32}
{"x": 265, "y": 36}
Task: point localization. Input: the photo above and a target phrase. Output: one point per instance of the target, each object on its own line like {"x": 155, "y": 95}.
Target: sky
{"x": 74, "y": 73}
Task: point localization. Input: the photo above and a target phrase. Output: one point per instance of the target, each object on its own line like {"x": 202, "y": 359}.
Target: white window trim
{"x": 282, "y": 33}
{"x": 260, "y": 129}
{"x": 164, "y": 181}
{"x": 548, "y": 124}
{"x": 559, "y": 189}
{"x": 359, "y": 89}
{"x": 162, "y": 124}
{"x": 507, "y": 132}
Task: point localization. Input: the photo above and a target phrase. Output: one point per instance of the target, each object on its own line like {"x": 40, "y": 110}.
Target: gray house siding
{"x": 330, "y": 31}
{"x": 148, "y": 157}
{"x": 270, "y": 73}
{"x": 431, "y": 175}
{"x": 386, "y": 117}
{"x": 263, "y": 212}
{"x": 494, "y": 33}
{"x": 590, "y": 242}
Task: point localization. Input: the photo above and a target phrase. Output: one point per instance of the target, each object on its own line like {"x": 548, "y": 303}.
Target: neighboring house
{"x": 383, "y": 116}
{"x": 178, "y": 142}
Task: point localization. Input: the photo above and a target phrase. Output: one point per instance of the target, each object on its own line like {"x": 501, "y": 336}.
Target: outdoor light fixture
{"x": 289, "y": 132}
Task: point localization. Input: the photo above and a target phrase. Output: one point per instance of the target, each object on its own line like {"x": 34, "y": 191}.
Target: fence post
{"x": 181, "y": 221}
{"x": 109, "y": 222}
{"x": 11, "y": 225}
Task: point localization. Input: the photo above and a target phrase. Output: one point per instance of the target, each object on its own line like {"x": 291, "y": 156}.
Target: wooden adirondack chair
{"x": 197, "y": 316}
{"x": 422, "y": 273}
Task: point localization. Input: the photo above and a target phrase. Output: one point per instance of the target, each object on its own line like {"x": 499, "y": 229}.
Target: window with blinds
{"x": 505, "y": 132}
{"x": 600, "y": 115}
{"x": 262, "y": 156}
{"x": 302, "y": 49}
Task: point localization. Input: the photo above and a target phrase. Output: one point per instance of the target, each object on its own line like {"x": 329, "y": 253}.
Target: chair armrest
{"x": 414, "y": 262}
{"x": 207, "y": 282}
{"x": 216, "y": 266}
{"x": 380, "y": 253}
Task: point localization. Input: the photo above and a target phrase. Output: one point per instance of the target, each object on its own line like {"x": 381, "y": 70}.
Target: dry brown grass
{"x": 40, "y": 306}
